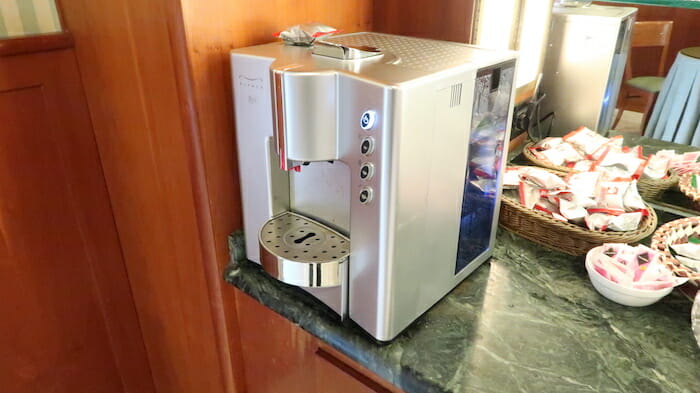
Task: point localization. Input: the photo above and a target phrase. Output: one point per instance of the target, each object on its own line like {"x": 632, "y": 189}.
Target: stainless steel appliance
{"x": 584, "y": 65}
{"x": 370, "y": 167}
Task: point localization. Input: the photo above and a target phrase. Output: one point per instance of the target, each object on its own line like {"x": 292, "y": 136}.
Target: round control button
{"x": 368, "y": 119}
{"x": 365, "y": 195}
{"x": 366, "y": 171}
{"x": 367, "y": 146}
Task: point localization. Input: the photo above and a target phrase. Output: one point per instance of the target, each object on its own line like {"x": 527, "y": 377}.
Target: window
{"x": 521, "y": 25}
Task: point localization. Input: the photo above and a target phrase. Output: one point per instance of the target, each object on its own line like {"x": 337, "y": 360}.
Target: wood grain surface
{"x": 282, "y": 357}
{"x": 69, "y": 323}
{"x": 45, "y": 42}
{"x": 133, "y": 79}
{"x": 449, "y": 20}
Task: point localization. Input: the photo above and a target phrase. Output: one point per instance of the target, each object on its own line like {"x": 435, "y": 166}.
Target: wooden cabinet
{"x": 281, "y": 357}
{"x": 335, "y": 373}
{"x": 68, "y": 323}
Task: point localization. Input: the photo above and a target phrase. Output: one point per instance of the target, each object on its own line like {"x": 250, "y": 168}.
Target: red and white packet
{"x": 562, "y": 154}
{"x": 585, "y": 140}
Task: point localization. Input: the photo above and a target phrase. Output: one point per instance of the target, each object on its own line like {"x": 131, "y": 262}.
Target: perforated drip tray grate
{"x": 301, "y": 251}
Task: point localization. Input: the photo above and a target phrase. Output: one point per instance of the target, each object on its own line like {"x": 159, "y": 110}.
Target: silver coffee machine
{"x": 370, "y": 167}
{"x": 584, "y": 65}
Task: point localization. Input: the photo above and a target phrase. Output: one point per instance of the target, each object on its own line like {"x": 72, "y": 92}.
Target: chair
{"x": 644, "y": 34}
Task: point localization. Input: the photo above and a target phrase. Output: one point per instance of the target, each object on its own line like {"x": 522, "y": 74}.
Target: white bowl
{"x": 619, "y": 293}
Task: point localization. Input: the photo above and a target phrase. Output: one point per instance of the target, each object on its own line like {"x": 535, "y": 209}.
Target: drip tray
{"x": 300, "y": 251}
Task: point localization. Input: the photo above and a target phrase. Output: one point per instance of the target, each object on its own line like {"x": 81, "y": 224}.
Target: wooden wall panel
{"x": 69, "y": 324}
{"x": 685, "y": 34}
{"x": 449, "y": 20}
{"x": 133, "y": 80}
{"x": 212, "y": 29}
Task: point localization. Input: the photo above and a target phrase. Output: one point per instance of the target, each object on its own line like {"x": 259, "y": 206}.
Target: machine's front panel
{"x": 363, "y": 128}
{"x": 492, "y": 99}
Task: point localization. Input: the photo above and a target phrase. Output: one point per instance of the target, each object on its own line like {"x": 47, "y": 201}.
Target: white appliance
{"x": 584, "y": 65}
{"x": 370, "y": 168}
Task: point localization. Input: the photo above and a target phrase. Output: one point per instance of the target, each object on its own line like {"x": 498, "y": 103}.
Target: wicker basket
{"x": 676, "y": 232}
{"x": 689, "y": 190}
{"x": 564, "y": 236}
{"x": 648, "y": 189}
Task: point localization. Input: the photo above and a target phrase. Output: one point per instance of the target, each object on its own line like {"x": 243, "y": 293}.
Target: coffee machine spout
{"x": 305, "y": 111}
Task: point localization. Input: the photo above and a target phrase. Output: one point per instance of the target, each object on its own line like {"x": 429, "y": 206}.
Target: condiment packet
{"x": 511, "y": 178}
{"x": 625, "y": 222}
{"x": 584, "y": 184}
{"x": 543, "y": 179}
{"x": 686, "y": 168}
{"x": 620, "y": 165}
{"x": 690, "y": 263}
{"x": 597, "y": 221}
{"x": 562, "y": 154}
{"x": 657, "y": 167}
{"x": 586, "y": 140}
{"x": 689, "y": 158}
{"x": 686, "y": 162}
{"x": 582, "y": 166}
{"x": 670, "y": 154}
{"x": 613, "y": 144}
{"x": 612, "y": 269}
{"x": 529, "y": 194}
{"x": 655, "y": 276}
{"x": 632, "y": 200}
{"x": 690, "y": 250}
{"x": 549, "y": 142}
{"x": 635, "y": 152}
{"x": 611, "y": 194}
{"x": 547, "y": 206}
{"x": 572, "y": 210}
{"x": 305, "y": 34}
{"x": 538, "y": 154}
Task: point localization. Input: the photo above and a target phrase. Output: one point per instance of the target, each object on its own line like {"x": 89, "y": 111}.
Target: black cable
{"x": 549, "y": 131}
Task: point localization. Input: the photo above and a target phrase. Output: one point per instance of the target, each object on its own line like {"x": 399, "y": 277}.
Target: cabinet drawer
{"x": 335, "y": 376}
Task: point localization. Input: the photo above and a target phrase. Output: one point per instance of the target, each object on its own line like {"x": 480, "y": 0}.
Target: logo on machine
{"x": 251, "y": 83}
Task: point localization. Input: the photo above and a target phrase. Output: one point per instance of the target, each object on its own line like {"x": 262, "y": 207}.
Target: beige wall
{"x": 27, "y": 17}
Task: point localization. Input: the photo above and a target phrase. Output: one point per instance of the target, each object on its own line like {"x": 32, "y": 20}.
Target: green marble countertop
{"x": 528, "y": 321}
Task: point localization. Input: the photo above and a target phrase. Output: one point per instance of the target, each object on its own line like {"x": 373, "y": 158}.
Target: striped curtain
{"x": 27, "y": 17}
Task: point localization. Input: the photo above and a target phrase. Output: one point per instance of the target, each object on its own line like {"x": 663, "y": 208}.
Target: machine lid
{"x": 402, "y": 59}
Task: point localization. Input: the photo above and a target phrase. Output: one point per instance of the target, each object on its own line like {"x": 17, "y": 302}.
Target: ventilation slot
{"x": 456, "y": 96}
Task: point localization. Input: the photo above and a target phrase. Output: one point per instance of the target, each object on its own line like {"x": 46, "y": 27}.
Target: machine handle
{"x": 345, "y": 52}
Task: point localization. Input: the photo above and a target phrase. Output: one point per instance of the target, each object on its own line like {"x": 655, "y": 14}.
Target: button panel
{"x": 367, "y": 146}
{"x": 366, "y": 171}
{"x": 365, "y": 195}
